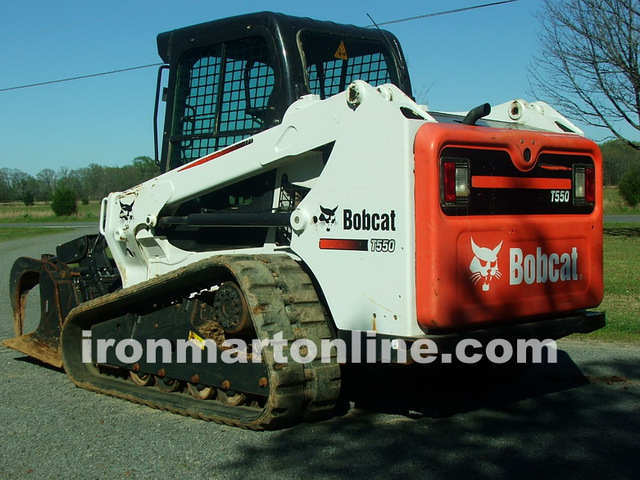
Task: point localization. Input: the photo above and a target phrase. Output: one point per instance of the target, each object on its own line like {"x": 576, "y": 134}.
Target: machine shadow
{"x": 437, "y": 390}
{"x": 547, "y": 421}
{"x": 34, "y": 361}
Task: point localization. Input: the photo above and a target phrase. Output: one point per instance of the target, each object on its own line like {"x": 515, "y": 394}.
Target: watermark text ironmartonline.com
{"x": 359, "y": 350}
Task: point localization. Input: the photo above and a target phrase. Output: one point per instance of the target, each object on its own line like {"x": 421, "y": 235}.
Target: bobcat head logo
{"x": 327, "y": 217}
{"x": 126, "y": 211}
{"x": 484, "y": 266}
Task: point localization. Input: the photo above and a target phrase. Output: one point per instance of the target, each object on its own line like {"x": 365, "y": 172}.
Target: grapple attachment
{"x": 79, "y": 271}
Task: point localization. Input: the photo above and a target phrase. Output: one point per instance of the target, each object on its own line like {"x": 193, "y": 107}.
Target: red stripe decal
{"x": 218, "y": 154}
{"x": 559, "y": 168}
{"x": 343, "y": 244}
{"x": 521, "y": 182}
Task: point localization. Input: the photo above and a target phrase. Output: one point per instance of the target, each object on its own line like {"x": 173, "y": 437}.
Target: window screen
{"x": 332, "y": 62}
{"x": 222, "y": 97}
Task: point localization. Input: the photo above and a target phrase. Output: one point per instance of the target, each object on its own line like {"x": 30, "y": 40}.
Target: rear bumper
{"x": 552, "y": 329}
{"x": 364, "y": 346}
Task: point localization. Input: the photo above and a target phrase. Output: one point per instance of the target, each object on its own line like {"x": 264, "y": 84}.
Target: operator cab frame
{"x": 232, "y": 78}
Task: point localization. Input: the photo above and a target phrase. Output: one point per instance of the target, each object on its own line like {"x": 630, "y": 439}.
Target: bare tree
{"x": 589, "y": 63}
{"x": 48, "y": 179}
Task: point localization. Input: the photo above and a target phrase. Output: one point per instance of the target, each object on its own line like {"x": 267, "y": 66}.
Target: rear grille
{"x": 497, "y": 187}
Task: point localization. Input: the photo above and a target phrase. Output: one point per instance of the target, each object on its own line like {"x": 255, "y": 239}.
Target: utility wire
{"x": 81, "y": 77}
{"x": 428, "y": 15}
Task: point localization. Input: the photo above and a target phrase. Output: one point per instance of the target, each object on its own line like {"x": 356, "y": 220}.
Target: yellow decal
{"x": 341, "y": 53}
{"x": 197, "y": 340}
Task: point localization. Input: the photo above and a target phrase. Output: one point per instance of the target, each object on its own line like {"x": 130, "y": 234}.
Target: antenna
{"x": 380, "y": 30}
{"x": 386, "y": 39}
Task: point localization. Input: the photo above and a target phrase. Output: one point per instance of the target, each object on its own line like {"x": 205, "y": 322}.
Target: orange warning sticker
{"x": 341, "y": 53}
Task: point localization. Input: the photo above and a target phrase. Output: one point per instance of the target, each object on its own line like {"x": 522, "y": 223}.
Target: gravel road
{"x": 578, "y": 418}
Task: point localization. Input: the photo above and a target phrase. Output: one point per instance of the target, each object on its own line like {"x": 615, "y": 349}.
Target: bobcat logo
{"x": 327, "y": 217}
{"x": 126, "y": 211}
{"x": 484, "y": 265}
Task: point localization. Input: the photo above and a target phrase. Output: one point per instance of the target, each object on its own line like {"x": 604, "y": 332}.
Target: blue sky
{"x": 456, "y": 62}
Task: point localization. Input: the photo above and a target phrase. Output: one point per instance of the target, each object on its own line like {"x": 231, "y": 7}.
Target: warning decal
{"x": 341, "y": 53}
{"x": 197, "y": 340}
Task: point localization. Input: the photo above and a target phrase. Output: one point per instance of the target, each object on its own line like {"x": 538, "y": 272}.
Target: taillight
{"x": 449, "y": 182}
{"x": 590, "y": 185}
{"x": 455, "y": 182}
{"x": 584, "y": 184}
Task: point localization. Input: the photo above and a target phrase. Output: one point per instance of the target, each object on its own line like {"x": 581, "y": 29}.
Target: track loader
{"x": 307, "y": 201}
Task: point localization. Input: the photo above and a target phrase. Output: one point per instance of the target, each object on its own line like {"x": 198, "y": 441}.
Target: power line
{"x": 81, "y": 77}
{"x": 428, "y": 15}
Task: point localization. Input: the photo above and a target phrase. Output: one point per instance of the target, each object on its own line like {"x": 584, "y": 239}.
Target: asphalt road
{"x": 70, "y": 225}
{"x": 622, "y": 219}
{"x": 578, "y": 418}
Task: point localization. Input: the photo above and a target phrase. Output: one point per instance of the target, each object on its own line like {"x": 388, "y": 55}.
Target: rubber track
{"x": 280, "y": 296}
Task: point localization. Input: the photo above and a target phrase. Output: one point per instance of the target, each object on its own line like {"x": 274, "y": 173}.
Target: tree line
{"x": 89, "y": 183}
{"x": 96, "y": 182}
{"x": 618, "y": 160}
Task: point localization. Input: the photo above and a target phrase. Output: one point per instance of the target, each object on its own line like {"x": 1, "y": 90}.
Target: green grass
{"x": 17, "y": 212}
{"x": 621, "y": 284}
{"x": 615, "y": 205}
{"x": 10, "y": 233}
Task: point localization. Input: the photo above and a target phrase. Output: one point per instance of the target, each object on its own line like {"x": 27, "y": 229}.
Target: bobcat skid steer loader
{"x": 311, "y": 214}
